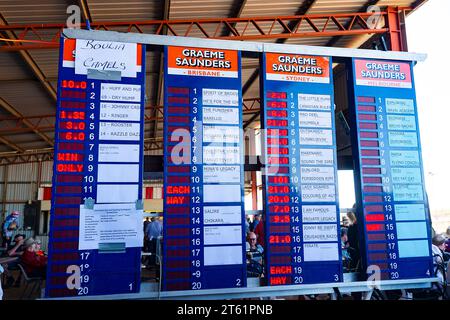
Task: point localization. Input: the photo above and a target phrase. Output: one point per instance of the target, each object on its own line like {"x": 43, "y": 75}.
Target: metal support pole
{"x": 5, "y": 188}
{"x": 396, "y": 31}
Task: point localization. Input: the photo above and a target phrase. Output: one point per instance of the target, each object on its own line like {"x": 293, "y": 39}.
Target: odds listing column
{"x": 203, "y": 170}
{"x": 389, "y": 171}
{"x": 94, "y": 245}
{"x": 68, "y": 172}
{"x": 300, "y": 195}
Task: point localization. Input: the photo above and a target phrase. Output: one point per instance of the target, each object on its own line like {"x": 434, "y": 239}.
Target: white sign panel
{"x": 120, "y": 111}
{"x": 110, "y": 223}
{"x": 220, "y": 97}
{"x": 316, "y": 137}
{"x": 221, "y": 155}
{"x": 221, "y": 193}
{"x": 319, "y": 232}
{"x": 320, "y": 193}
{"x": 120, "y": 92}
{"x": 117, "y": 193}
{"x": 118, "y": 153}
{"x": 222, "y": 235}
{"x": 221, "y": 134}
{"x": 221, "y": 174}
{"x": 106, "y": 56}
{"x": 317, "y": 102}
{"x": 317, "y": 174}
{"x": 314, "y": 119}
{"x": 118, "y": 173}
{"x": 222, "y": 215}
{"x": 319, "y": 214}
{"x": 122, "y": 131}
{"x": 222, "y": 255}
{"x": 316, "y": 157}
{"x": 321, "y": 252}
{"x": 220, "y": 115}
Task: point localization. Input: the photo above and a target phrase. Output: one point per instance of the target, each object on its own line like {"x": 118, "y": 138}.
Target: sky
{"x": 427, "y": 32}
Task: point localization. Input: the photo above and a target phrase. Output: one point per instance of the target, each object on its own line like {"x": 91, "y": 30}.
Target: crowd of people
{"x": 27, "y": 251}
{"x": 350, "y": 242}
{"x": 34, "y": 260}
{"x": 441, "y": 256}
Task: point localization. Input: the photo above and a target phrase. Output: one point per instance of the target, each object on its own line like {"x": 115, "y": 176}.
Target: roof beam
{"x": 31, "y": 63}
{"x": 184, "y": 27}
{"x": 302, "y": 10}
{"x": 11, "y": 144}
{"x": 5, "y": 105}
{"x": 236, "y": 14}
{"x": 26, "y": 157}
{"x": 159, "y": 95}
{"x": 364, "y": 8}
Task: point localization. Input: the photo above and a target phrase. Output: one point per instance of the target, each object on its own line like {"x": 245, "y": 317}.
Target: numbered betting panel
{"x": 203, "y": 246}
{"x": 300, "y": 174}
{"x": 95, "y": 248}
{"x": 393, "y": 218}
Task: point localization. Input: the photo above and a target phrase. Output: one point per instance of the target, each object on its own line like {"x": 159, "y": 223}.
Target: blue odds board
{"x": 300, "y": 175}
{"x": 83, "y": 106}
{"x": 393, "y": 215}
{"x": 203, "y": 245}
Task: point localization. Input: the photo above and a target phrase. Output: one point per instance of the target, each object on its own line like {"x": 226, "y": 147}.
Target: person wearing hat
{"x": 11, "y": 224}
{"x": 447, "y": 242}
{"x": 256, "y": 221}
{"x": 34, "y": 264}
{"x": 439, "y": 257}
{"x": 438, "y": 248}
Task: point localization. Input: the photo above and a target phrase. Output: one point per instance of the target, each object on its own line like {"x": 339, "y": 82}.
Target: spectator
{"x": 10, "y": 224}
{"x": 252, "y": 245}
{"x": 353, "y": 241}
{"x": 153, "y": 232}
{"x": 16, "y": 249}
{"x": 256, "y": 220}
{"x": 447, "y": 242}
{"x": 254, "y": 256}
{"x": 345, "y": 222}
{"x": 34, "y": 265}
{"x": 247, "y": 224}
{"x": 146, "y": 222}
{"x": 344, "y": 245}
{"x": 13, "y": 250}
{"x": 39, "y": 250}
{"x": 438, "y": 248}
{"x": 351, "y": 217}
{"x": 439, "y": 257}
{"x": 1, "y": 290}
{"x": 259, "y": 230}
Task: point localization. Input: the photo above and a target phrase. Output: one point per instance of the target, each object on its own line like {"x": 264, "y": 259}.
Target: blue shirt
{"x": 8, "y": 221}
{"x": 154, "y": 229}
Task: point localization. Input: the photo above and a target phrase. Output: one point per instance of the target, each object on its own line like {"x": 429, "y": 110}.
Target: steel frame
{"x": 278, "y": 27}
{"x": 46, "y": 36}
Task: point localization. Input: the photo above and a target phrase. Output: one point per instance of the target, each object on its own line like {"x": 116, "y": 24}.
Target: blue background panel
{"x": 185, "y": 122}
{"x": 391, "y": 199}
{"x": 75, "y": 179}
{"x": 300, "y": 194}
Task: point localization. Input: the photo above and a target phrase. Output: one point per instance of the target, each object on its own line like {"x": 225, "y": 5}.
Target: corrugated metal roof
{"x": 27, "y": 97}
{"x": 20, "y": 88}
{"x": 42, "y": 11}
{"x": 119, "y": 10}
